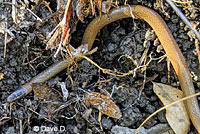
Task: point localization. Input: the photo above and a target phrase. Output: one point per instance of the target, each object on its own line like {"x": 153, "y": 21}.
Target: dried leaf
{"x": 65, "y": 92}
{"x": 86, "y": 7}
{"x": 81, "y": 10}
{"x": 14, "y": 10}
{"x": 51, "y": 99}
{"x": 38, "y": 1}
{"x": 106, "y": 6}
{"x": 42, "y": 91}
{"x": 104, "y": 104}
{"x": 1, "y": 76}
{"x": 176, "y": 115}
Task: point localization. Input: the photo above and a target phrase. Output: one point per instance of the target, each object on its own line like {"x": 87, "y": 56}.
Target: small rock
{"x": 161, "y": 117}
{"x": 13, "y": 62}
{"x": 125, "y": 130}
{"x": 150, "y": 108}
{"x": 183, "y": 36}
{"x": 11, "y": 130}
{"x": 107, "y": 123}
{"x": 164, "y": 79}
{"x": 112, "y": 47}
{"x": 158, "y": 129}
{"x": 76, "y": 130}
{"x": 138, "y": 38}
{"x": 174, "y": 19}
{"x": 172, "y": 27}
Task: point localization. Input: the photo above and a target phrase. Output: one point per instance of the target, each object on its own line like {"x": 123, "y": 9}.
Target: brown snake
{"x": 162, "y": 31}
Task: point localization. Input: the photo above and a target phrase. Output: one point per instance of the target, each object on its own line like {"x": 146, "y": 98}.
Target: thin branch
{"x": 182, "y": 16}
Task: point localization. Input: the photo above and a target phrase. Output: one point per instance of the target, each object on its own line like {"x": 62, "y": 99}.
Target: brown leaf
{"x": 51, "y": 99}
{"x": 42, "y": 91}
{"x": 81, "y": 10}
{"x": 104, "y": 104}
{"x": 1, "y": 76}
{"x": 176, "y": 114}
{"x": 86, "y": 7}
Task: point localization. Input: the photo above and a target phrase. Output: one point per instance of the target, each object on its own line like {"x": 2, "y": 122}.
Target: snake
{"x": 164, "y": 35}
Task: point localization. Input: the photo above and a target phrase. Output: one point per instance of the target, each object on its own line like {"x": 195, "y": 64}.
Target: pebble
{"x": 150, "y": 108}
{"x": 161, "y": 117}
{"x": 10, "y": 130}
{"x": 158, "y": 129}
{"x": 13, "y": 62}
{"x": 174, "y": 19}
{"x": 138, "y": 38}
{"x": 112, "y": 47}
{"x": 107, "y": 123}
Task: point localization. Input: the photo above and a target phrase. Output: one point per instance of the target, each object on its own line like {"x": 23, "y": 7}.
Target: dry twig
{"x": 166, "y": 106}
{"x": 182, "y": 16}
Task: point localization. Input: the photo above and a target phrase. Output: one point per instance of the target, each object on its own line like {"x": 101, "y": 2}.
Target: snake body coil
{"x": 162, "y": 31}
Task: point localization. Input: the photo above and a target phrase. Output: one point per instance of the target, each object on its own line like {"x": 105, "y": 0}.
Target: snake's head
{"x": 17, "y": 94}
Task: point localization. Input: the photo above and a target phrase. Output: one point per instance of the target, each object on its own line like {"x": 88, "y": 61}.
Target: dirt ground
{"x": 116, "y": 43}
